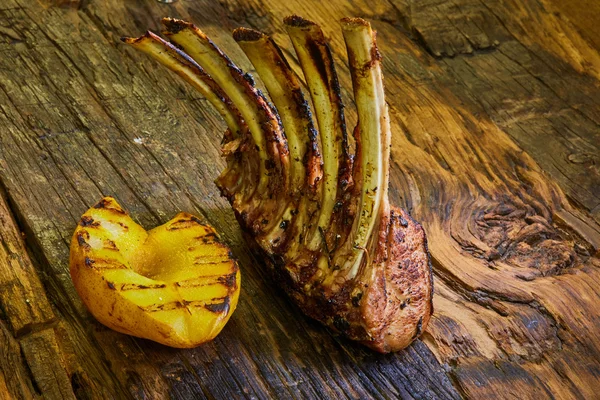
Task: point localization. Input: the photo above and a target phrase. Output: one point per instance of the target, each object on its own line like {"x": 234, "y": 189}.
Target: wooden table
{"x": 495, "y": 110}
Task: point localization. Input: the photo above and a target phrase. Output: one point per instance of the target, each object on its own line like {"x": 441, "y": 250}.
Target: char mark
{"x": 106, "y": 204}
{"x": 228, "y": 280}
{"x": 341, "y": 323}
{"x": 134, "y": 286}
{"x": 218, "y": 308}
{"x": 88, "y": 221}
{"x": 298, "y": 21}
{"x": 315, "y": 53}
{"x": 247, "y": 35}
{"x": 176, "y": 25}
{"x": 82, "y": 240}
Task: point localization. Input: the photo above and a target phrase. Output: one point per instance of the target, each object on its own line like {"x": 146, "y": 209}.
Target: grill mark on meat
{"x": 397, "y": 260}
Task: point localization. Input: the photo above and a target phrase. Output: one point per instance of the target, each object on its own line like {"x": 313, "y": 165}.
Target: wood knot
{"x": 581, "y": 158}
{"x": 519, "y": 236}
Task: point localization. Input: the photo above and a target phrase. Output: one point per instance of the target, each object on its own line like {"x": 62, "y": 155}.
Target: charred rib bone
{"x": 338, "y": 248}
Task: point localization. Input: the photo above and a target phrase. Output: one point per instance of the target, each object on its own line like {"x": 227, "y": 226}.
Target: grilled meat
{"x": 319, "y": 215}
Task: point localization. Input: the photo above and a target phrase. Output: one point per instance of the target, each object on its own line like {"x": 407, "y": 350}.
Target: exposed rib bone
{"x": 372, "y": 134}
{"x": 286, "y": 93}
{"x": 180, "y": 63}
{"x": 238, "y": 172}
{"x": 316, "y": 61}
{"x": 365, "y": 270}
{"x": 261, "y": 120}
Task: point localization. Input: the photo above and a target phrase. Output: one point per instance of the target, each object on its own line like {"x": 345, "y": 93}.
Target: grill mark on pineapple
{"x": 190, "y": 221}
{"x": 219, "y": 308}
{"x": 197, "y": 220}
{"x": 89, "y": 222}
{"x": 209, "y": 240}
{"x": 110, "y": 245}
{"x": 110, "y": 205}
{"x": 82, "y": 236}
{"x": 183, "y": 223}
{"x": 162, "y": 307}
{"x": 103, "y": 263}
{"x": 211, "y": 260}
{"x": 216, "y": 305}
{"x": 180, "y": 225}
{"x": 228, "y": 280}
{"x": 134, "y": 286}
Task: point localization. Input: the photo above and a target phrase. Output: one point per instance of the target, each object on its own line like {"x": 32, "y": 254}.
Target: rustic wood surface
{"x": 495, "y": 111}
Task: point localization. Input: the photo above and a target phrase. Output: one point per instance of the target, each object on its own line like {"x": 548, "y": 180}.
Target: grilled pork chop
{"x": 318, "y": 214}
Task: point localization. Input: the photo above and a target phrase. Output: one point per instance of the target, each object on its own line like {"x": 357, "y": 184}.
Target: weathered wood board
{"x": 496, "y": 117}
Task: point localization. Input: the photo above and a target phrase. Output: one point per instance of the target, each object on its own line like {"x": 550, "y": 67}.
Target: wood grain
{"x": 496, "y": 118}
{"x": 14, "y": 380}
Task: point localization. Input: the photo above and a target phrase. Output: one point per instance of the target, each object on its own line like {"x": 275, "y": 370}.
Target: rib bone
{"x": 372, "y": 135}
{"x": 261, "y": 120}
{"x": 286, "y": 93}
{"x": 324, "y": 224}
{"x": 235, "y": 177}
{"x": 317, "y": 64}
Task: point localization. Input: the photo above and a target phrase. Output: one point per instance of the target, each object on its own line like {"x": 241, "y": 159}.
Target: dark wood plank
{"x": 495, "y": 112}
{"x": 15, "y": 382}
{"x": 508, "y": 259}
{"x": 108, "y": 141}
{"x": 22, "y": 295}
{"x": 524, "y": 61}
{"x": 44, "y": 358}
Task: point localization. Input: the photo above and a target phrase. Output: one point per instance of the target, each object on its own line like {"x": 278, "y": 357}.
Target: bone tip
{"x": 132, "y": 40}
{"x": 174, "y": 25}
{"x": 297, "y": 21}
{"x": 356, "y": 23}
{"x": 247, "y": 35}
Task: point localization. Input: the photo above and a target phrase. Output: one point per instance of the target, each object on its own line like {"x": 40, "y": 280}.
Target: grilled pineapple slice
{"x": 175, "y": 284}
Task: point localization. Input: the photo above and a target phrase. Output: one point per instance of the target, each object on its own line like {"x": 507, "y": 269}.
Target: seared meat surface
{"x": 319, "y": 215}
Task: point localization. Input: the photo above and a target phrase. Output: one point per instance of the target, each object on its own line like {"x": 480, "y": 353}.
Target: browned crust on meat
{"x": 384, "y": 299}
{"x": 386, "y": 307}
